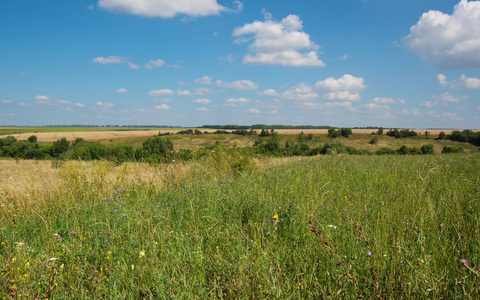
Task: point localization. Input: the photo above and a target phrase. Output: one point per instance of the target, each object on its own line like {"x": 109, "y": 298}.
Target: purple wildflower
{"x": 72, "y": 232}
{"x": 369, "y": 254}
{"x": 464, "y": 261}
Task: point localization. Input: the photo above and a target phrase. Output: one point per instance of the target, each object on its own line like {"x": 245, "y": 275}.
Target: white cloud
{"x": 343, "y": 95}
{"x": 235, "y": 102}
{"x": 343, "y": 57}
{"x": 300, "y": 92}
{"x": 230, "y": 58}
{"x": 162, "y": 107}
{"x": 23, "y": 104}
{"x": 63, "y": 102}
{"x": 161, "y": 93}
{"x": 428, "y": 104}
{"x": 387, "y": 100}
{"x": 413, "y": 111}
{"x": 238, "y": 84}
{"x": 346, "y": 87}
{"x": 109, "y": 60}
{"x": 202, "y": 109}
{"x": 444, "y": 116}
{"x": 376, "y": 106}
{"x": 201, "y": 101}
{"x": 157, "y": 63}
{"x": 165, "y": 8}
{"x": 79, "y": 105}
{"x": 254, "y": 111}
{"x": 41, "y": 98}
{"x": 448, "y": 41}
{"x": 103, "y": 104}
{"x": 142, "y": 110}
{"x": 466, "y": 83}
{"x": 442, "y": 79}
{"x": 4, "y": 101}
{"x": 345, "y": 83}
{"x": 202, "y": 91}
{"x": 204, "y": 80}
{"x": 133, "y": 66}
{"x": 121, "y": 91}
{"x": 446, "y": 98}
{"x": 279, "y": 43}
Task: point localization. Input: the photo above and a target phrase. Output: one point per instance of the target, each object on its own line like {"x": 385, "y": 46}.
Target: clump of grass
{"x": 341, "y": 226}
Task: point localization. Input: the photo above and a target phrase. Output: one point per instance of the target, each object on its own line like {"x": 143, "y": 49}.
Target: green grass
{"x": 212, "y": 236}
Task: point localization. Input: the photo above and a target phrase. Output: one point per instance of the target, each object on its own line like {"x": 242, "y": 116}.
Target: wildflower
{"x": 67, "y": 249}
{"x": 275, "y": 217}
{"x": 464, "y": 261}
{"x": 133, "y": 267}
{"x": 332, "y": 226}
{"x": 369, "y": 254}
{"x": 72, "y": 232}
{"x": 142, "y": 254}
{"x": 268, "y": 220}
{"x": 53, "y": 258}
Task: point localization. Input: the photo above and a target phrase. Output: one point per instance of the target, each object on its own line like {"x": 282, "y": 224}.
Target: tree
{"x": 32, "y": 139}
{"x": 59, "y": 147}
{"x": 380, "y": 131}
{"x": 442, "y": 136}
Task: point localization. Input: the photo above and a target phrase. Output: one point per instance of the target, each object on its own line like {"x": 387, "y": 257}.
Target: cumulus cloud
{"x": 300, "y": 92}
{"x": 470, "y": 83}
{"x": 155, "y": 63}
{"x": 444, "y": 116}
{"x": 79, "y": 105}
{"x": 387, "y": 100}
{"x": 41, "y": 98}
{"x": 4, "y": 101}
{"x": 161, "y": 93}
{"x": 105, "y": 105}
{"x": 238, "y": 84}
{"x": 202, "y": 109}
{"x": 162, "y": 107}
{"x": 133, "y": 66}
{"x": 63, "y": 102}
{"x": 376, "y": 106}
{"x": 201, "y": 101}
{"x": 280, "y": 43}
{"x": 166, "y": 8}
{"x": 346, "y": 87}
{"x": 254, "y": 111}
{"x": 442, "y": 79}
{"x": 448, "y": 41}
{"x": 121, "y": 91}
{"x": 235, "y": 102}
{"x": 446, "y": 98}
{"x": 428, "y": 104}
{"x": 109, "y": 60}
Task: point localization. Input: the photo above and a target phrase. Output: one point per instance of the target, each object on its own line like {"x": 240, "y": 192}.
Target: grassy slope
{"x": 208, "y": 236}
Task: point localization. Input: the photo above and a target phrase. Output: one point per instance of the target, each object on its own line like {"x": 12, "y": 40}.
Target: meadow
{"x": 228, "y": 226}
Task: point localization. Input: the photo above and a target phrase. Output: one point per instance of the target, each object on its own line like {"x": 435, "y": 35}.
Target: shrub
{"x": 442, "y": 135}
{"x": 32, "y": 139}
{"x": 374, "y": 140}
{"x": 427, "y": 149}
{"x": 452, "y": 149}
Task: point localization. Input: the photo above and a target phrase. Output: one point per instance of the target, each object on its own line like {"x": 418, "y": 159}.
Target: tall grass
{"x": 324, "y": 227}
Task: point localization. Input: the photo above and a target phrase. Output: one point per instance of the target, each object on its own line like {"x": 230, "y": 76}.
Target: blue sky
{"x": 390, "y": 63}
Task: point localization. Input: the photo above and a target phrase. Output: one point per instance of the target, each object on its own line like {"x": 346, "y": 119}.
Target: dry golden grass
{"x": 39, "y": 183}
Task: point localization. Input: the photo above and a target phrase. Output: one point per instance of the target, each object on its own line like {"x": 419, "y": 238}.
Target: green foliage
{"x": 405, "y": 133}
{"x": 466, "y": 136}
{"x": 345, "y": 132}
{"x": 380, "y": 131}
{"x": 374, "y": 140}
{"x": 59, "y": 147}
{"x": 452, "y": 149}
{"x": 427, "y": 149}
{"x": 157, "y": 148}
{"x": 442, "y": 135}
{"x": 32, "y": 139}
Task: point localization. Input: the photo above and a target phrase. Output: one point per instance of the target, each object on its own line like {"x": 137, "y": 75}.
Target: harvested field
{"x": 101, "y": 135}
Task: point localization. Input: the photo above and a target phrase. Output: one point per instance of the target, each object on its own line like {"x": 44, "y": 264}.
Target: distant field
{"x": 50, "y": 134}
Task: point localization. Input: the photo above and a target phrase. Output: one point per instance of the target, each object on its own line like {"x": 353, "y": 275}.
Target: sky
{"x": 342, "y": 63}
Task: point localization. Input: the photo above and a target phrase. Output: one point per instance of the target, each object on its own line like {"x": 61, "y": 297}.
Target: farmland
{"x": 231, "y": 223}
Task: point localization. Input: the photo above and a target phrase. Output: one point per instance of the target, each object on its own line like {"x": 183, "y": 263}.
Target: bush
{"x": 32, "y": 139}
{"x": 374, "y": 141}
{"x": 427, "y": 149}
{"x": 452, "y": 149}
{"x": 442, "y": 135}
